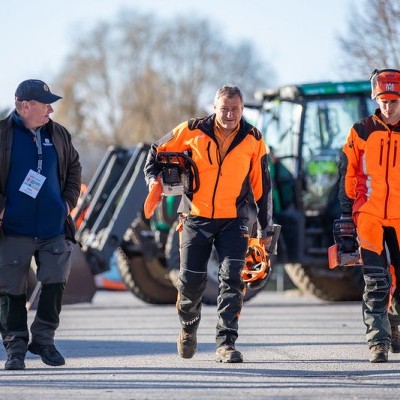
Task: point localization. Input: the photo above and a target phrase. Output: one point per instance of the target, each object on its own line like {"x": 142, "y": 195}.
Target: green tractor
{"x": 306, "y": 127}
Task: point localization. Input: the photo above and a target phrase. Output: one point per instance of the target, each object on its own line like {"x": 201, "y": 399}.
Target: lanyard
{"x": 38, "y": 141}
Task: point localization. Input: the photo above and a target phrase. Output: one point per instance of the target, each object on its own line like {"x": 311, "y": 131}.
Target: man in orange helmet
{"x": 370, "y": 196}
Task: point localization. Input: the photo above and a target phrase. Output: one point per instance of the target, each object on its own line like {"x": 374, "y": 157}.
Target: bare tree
{"x": 134, "y": 78}
{"x": 372, "y": 38}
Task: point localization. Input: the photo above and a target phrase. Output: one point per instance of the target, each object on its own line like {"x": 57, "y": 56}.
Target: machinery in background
{"x": 112, "y": 224}
{"x": 306, "y": 126}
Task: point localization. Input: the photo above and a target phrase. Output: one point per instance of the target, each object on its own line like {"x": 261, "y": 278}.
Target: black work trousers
{"x": 230, "y": 238}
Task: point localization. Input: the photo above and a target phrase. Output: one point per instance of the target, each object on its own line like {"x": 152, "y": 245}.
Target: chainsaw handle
{"x": 188, "y": 162}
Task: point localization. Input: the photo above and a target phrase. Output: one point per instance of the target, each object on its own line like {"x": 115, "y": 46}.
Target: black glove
{"x": 345, "y": 234}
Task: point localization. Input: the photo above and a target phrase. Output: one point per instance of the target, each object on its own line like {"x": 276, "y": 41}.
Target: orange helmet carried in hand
{"x": 385, "y": 83}
{"x": 257, "y": 265}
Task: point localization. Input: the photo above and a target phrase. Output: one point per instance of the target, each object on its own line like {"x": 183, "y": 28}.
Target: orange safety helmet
{"x": 257, "y": 265}
{"x": 385, "y": 83}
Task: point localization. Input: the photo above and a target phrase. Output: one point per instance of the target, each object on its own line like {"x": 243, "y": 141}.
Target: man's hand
{"x": 266, "y": 242}
{"x": 152, "y": 183}
{"x": 270, "y": 242}
{"x": 153, "y": 198}
{"x": 345, "y": 234}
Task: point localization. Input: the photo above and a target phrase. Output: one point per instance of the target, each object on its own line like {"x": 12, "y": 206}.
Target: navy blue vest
{"x": 44, "y": 216}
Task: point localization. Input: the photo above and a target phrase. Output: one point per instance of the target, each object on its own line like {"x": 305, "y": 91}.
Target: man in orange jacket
{"x": 231, "y": 158}
{"x": 370, "y": 194}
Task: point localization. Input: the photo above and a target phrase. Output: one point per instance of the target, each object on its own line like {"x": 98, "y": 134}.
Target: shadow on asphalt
{"x": 226, "y": 377}
{"x": 103, "y": 348}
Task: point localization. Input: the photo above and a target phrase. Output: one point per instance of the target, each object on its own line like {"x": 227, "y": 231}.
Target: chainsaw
{"x": 178, "y": 175}
{"x": 345, "y": 252}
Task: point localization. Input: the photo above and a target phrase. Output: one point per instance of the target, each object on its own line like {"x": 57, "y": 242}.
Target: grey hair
{"x": 228, "y": 91}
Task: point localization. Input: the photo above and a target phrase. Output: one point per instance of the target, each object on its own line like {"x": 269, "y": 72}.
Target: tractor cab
{"x": 305, "y": 127}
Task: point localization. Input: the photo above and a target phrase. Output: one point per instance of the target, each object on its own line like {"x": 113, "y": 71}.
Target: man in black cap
{"x": 40, "y": 178}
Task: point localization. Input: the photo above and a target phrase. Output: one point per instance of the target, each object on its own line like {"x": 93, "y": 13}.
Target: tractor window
{"x": 326, "y": 126}
{"x": 281, "y": 127}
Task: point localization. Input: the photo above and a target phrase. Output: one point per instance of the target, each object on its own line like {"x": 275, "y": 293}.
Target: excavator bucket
{"x": 81, "y": 285}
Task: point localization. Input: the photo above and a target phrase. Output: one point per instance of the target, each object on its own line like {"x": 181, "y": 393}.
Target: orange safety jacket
{"x": 225, "y": 184}
{"x": 370, "y": 169}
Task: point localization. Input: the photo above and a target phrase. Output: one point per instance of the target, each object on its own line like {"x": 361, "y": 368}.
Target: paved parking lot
{"x": 294, "y": 347}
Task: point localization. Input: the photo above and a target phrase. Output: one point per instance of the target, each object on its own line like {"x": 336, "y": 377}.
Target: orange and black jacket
{"x": 224, "y": 186}
{"x": 370, "y": 169}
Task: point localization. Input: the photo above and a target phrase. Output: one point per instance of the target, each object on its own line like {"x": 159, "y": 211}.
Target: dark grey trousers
{"x": 230, "y": 238}
{"x": 53, "y": 260}
{"x": 378, "y": 315}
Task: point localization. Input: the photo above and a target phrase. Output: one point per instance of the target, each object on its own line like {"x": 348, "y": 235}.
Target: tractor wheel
{"x": 147, "y": 279}
{"x": 172, "y": 260}
{"x": 331, "y": 285}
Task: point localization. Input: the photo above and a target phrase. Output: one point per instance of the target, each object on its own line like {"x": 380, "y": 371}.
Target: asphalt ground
{"x": 294, "y": 347}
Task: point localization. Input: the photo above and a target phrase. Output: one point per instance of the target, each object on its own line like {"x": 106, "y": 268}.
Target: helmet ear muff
{"x": 385, "y": 83}
{"x": 257, "y": 265}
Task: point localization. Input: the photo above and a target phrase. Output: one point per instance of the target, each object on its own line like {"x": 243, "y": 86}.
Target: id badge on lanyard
{"x": 34, "y": 180}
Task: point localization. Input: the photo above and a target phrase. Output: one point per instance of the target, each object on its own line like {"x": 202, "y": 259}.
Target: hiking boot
{"x": 395, "y": 342}
{"x": 15, "y": 361}
{"x": 378, "y": 353}
{"x": 186, "y": 344}
{"x": 228, "y": 354}
{"x": 48, "y": 352}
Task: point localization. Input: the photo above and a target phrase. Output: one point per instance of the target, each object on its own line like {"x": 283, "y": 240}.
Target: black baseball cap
{"x": 35, "y": 89}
